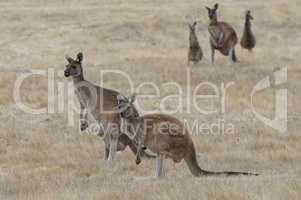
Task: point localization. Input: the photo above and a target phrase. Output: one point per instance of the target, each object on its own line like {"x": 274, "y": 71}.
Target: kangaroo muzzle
{"x": 66, "y": 74}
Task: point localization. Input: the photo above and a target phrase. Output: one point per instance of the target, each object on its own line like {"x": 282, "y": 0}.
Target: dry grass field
{"x": 42, "y": 157}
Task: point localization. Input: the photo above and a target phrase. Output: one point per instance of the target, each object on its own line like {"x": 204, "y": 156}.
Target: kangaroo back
{"x": 195, "y": 53}
{"x": 248, "y": 40}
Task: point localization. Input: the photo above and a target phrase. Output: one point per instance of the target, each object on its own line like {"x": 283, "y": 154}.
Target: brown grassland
{"x": 41, "y": 157}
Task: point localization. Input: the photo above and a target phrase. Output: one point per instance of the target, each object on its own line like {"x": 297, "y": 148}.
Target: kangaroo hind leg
{"x": 231, "y": 56}
{"x": 159, "y": 167}
{"x": 212, "y": 55}
{"x": 106, "y": 153}
{"x": 113, "y": 146}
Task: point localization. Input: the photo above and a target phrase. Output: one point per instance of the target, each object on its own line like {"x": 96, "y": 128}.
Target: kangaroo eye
{"x": 73, "y": 67}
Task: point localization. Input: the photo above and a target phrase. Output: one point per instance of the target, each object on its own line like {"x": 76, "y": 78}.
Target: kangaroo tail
{"x": 228, "y": 173}
{"x": 195, "y": 169}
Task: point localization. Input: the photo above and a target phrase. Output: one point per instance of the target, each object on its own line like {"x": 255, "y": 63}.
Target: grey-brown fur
{"x": 222, "y": 36}
{"x": 167, "y": 137}
{"x": 100, "y": 103}
{"x": 248, "y": 40}
{"x": 195, "y": 52}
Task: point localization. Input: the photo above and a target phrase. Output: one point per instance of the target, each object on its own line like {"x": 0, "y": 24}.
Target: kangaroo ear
{"x": 207, "y": 8}
{"x": 216, "y": 6}
{"x": 69, "y": 59}
{"x": 194, "y": 24}
{"x": 80, "y": 57}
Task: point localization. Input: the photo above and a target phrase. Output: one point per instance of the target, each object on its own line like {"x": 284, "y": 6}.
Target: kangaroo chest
{"x": 215, "y": 32}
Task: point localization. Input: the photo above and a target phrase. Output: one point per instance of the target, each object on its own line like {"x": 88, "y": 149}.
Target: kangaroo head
{"x": 212, "y": 12}
{"x": 128, "y": 111}
{"x": 126, "y": 107}
{"x": 74, "y": 67}
{"x": 248, "y": 15}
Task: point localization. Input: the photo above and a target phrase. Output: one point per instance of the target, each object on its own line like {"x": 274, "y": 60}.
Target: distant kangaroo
{"x": 222, "y": 36}
{"x": 166, "y": 136}
{"x": 101, "y": 104}
{"x": 248, "y": 40}
{"x": 195, "y": 52}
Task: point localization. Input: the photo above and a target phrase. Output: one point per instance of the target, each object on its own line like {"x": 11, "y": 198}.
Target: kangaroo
{"x": 100, "y": 104}
{"x": 195, "y": 52}
{"x": 222, "y": 36}
{"x": 167, "y": 137}
{"x": 248, "y": 40}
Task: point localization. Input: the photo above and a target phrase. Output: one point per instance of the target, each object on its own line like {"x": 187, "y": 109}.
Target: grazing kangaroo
{"x": 222, "y": 36}
{"x": 100, "y": 103}
{"x": 248, "y": 40}
{"x": 195, "y": 52}
{"x": 166, "y": 136}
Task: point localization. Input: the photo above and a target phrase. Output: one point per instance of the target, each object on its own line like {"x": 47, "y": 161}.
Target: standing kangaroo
{"x": 166, "y": 136}
{"x": 100, "y": 103}
{"x": 248, "y": 40}
{"x": 222, "y": 36}
{"x": 195, "y": 52}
